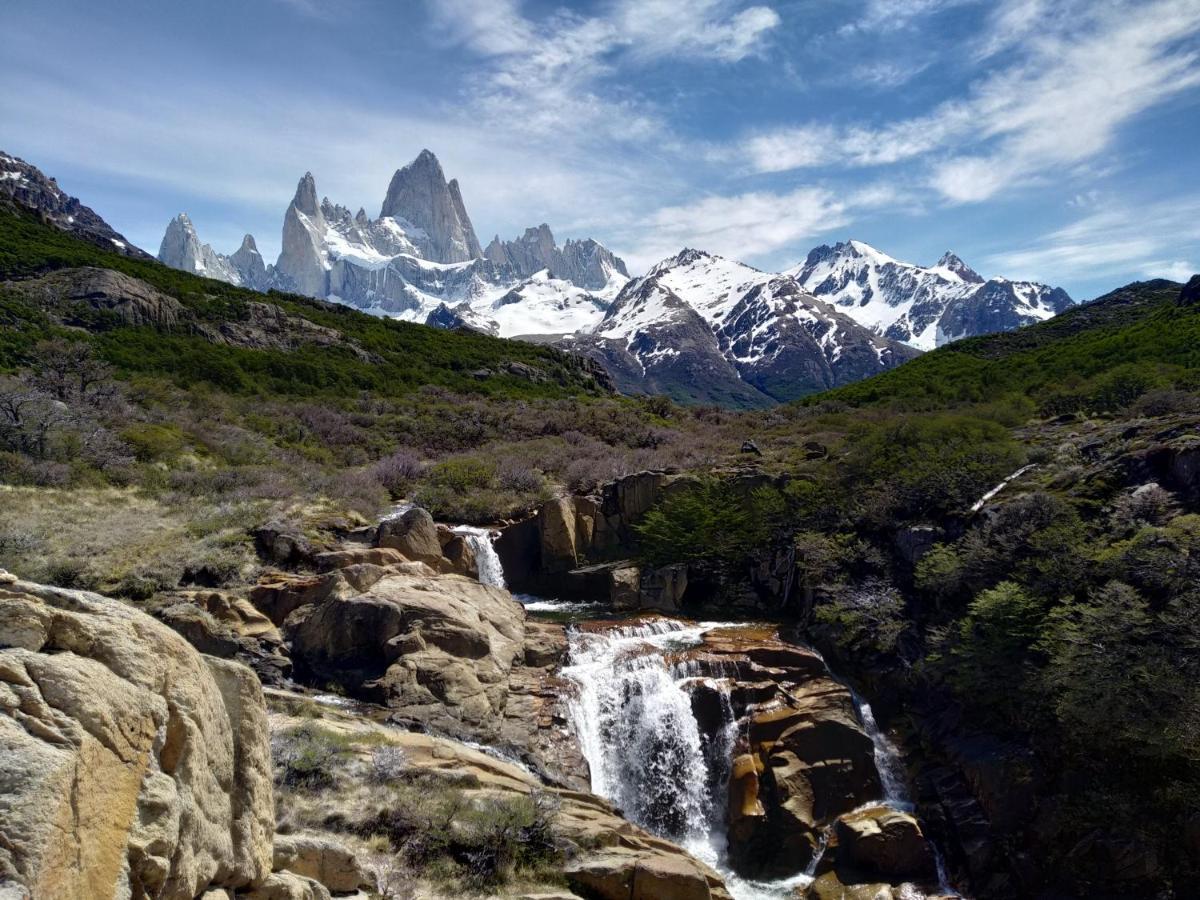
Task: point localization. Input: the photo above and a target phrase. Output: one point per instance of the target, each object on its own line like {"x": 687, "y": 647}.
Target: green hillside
{"x": 1092, "y": 358}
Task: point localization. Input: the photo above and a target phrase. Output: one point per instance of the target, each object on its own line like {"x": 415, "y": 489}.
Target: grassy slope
{"x": 410, "y": 355}
{"x": 1139, "y": 325}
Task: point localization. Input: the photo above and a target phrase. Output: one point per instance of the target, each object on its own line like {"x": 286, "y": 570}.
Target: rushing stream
{"x": 487, "y": 561}
{"x": 648, "y": 754}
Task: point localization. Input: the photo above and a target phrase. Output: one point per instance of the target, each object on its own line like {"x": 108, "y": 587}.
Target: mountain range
{"x": 697, "y": 327}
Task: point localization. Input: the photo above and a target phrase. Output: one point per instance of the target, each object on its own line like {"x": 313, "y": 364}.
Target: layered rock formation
{"x": 133, "y": 766}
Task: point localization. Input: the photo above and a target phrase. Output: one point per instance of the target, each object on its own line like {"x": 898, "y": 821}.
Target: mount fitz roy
{"x": 420, "y": 260}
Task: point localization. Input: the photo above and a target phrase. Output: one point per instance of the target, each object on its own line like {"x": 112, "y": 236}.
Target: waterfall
{"x": 487, "y": 561}
{"x": 634, "y": 717}
{"x": 978, "y": 505}
{"x": 637, "y": 729}
{"x": 888, "y": 763}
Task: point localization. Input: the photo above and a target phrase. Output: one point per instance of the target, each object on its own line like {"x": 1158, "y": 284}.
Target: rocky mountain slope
{"x": 701, "y": 328}
{"x": 27, "y": 186}
{"x": 924, "y": 307}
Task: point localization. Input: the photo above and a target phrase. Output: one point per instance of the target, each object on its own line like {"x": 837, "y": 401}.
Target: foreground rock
{"x": 606, "y": 856}
{"x": 132, "y": 765}
{"x": 802, "y": 758}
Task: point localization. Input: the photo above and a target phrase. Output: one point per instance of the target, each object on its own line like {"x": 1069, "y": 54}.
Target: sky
{"x": 1054, "y": 141}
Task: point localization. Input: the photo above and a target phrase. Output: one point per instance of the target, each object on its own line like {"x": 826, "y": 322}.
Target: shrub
{"x": 151, "y": 442}
{"x": 306, "y": 756}
{"x": 388, "y": 763}
{"x": 398, "y": 472}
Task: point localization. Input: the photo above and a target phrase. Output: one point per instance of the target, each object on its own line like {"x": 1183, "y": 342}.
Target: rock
{"x": 458, "y": 557}
{"x": 619, "y": 875}
{"x": 815, "y": 450}
{"x": 287, "y": 886}
{"x": 130, "y": 761}
{"x": 375, "y": 556}
{"x": 827, "y": 887}
{"x": 626, "y": 588}
{"x": 545, "y": 644}
{"x": 322, "y": 859}
{"x": 419, "y": 194}
{"x": 663, "y": 588}
{"x": 559, "y": 543}
{"x": 414, "y": 535}
{"x": 283, "y": 545}
{"x": 751, "y": 448}
{"x": 436, "y": 649}
{"x": 913, "y": 542}
{"x": 883, "y": 844}
{"x": 1189, "y": 295}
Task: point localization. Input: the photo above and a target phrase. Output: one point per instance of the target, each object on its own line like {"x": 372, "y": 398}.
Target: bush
{"x": 398, "y": 472}
{"x": 388, "y": 763}
{"x": 152, "y": 442}
{"x": 306, "y": 757}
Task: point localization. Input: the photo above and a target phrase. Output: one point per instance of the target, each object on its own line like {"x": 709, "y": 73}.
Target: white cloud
{"x": 1060, "y": 103}
{"x": 893, "y": 15}
{"x": 1176, "y": 270}
{"x": 549, "y": 72}
{"x": 748, "y": 226}
{"x": 1114, "y": 240}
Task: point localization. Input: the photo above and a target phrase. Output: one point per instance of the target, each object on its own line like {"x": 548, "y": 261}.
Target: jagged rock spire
{"x": 420, "y": 194}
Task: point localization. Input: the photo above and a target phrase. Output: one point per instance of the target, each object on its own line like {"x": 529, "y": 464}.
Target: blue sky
{"x": 1038, "y": 139}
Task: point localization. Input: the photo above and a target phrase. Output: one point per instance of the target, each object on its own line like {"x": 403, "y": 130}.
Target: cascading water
{"x": 636, "y": 727}
{"x": 887, "y": 759}
{"x": 487, "y": 561}
{"x": 636, "y": 723}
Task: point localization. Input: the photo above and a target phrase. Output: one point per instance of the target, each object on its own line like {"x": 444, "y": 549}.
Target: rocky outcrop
{"x": 322, "y": 859}
{"x": 181, "y": 249}
{"x": 420, "y": 195}
{"x": 132, "y": 764}
{"x": 879, "y": 844}
{"x": 413, "y": 534}
{"x": 437, "y": 651}
{"x": 607, "y": 856}
{"x": 586, "y": 264}
{"x": 802, "y": 759}
{"x": 27, "y": 187}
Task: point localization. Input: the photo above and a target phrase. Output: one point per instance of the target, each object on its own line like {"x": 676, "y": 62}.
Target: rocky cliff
{"x": 133, "y": 766}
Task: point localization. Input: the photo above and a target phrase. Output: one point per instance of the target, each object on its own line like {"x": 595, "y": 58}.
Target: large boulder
{"x": 881, "y": 844}
{"x": 322, "y": 859}
{"x": 131, "y": 764}
{"x": 437, "y": 650}
{"x": 414, "y": 534}
{"x": 559, "y": 538}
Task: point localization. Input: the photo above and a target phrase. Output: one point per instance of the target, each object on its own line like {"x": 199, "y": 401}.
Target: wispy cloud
{"x": 1058, "y": 105}
{"x": 551, "y": 72}
{"x": 1143, "y": 238}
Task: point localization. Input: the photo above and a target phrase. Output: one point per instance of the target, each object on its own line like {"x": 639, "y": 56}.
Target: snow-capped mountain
{"x": 27, "y": 186}
{"x": 924, "y": 307}
{"x": 585, "y": 263}
{"x": 419, "y": 261}
{"x": 703, "y": 328}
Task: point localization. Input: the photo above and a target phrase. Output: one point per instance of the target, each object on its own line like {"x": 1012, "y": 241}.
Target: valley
{"x": 305, "y": 601}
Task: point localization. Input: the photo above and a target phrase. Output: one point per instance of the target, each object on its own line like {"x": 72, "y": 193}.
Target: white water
{"x": 634, "y": 720}
{"x": 978, "y": 505}
{"x": 487, "y": 561}
{"x": 633, "y": 716}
